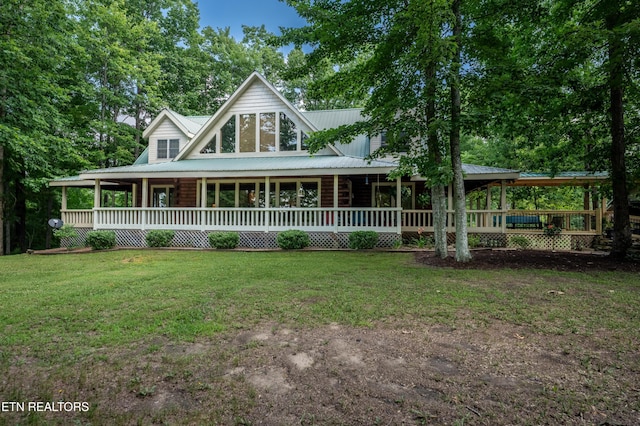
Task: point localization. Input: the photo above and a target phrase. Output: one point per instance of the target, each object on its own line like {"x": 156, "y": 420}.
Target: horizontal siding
{"x": 257, "y": 97}
{"x": 165, "y": 130}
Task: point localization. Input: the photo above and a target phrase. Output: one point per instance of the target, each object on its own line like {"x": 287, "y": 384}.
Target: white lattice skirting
{"x": 254, "y": 240}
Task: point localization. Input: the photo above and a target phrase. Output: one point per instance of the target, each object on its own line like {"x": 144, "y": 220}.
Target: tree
{"x": 560, "y": 77}
{"x": 405, "y": 52}
{"x": 37, "y": 49}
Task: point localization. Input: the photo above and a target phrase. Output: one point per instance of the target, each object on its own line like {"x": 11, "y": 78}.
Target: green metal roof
{"x": 569, "y": 175}
{"x": 245, "y": 166}
{"x": 328, "y": 119}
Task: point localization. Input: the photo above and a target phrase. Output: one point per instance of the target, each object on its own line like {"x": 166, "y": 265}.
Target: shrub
{"x": 67, "y": 231}
{"x": 474, "y": 241}
{"x": 159, "y": 238}
{"x": 101, "y": 240}
{"x": 359, "y": 240}
{"x": 224, "y": 240}
{"x": 293, "y": 239}
{"x": 520, "y": 241}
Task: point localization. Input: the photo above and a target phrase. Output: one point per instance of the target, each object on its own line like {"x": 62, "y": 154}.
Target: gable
{"x": 254, "y": 113}
{"x": 165, "y": 130}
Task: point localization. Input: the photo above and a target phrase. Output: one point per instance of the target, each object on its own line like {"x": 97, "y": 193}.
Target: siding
{"x": 257, "y": 97}
{"x": 165, "y": 130}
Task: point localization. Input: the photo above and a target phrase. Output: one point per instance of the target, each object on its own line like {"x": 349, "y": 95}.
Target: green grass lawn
{"x": 59, "y": 310}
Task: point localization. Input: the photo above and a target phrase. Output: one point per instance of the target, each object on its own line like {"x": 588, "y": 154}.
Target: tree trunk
{"x": 2, "y": 245}
{"x": 462, "y": 244}
{"x": 439, "y": 206}
{"x": 621, "y": 223}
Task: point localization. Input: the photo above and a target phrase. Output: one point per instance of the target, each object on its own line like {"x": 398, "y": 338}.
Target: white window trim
{"x": 412, "y": 185}
{"x": 218, "y": 132}
{"x": 152, "y": 188}
{"x": 273, "y": 184}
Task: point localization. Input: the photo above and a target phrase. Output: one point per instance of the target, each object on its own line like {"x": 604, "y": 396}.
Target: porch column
{"x": 145, "y": 202}
{"x": 335, "y": 203}
{"x": 203, "y": 193}
{"x": 145, "y": 193}
{"x": 63, "y": 205}
{"x": 488, "y": 216}
{"x": 399, "y": 204}
{"x": 134, "y": 195}
{"x": 267, "y": 201}
{"x": 96, "y": 202}
{"x": 503, "y": 204}
{"x": 203, "y": 203}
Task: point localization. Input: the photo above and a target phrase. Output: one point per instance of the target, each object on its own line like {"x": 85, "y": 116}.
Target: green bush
{"x": 520, "y": 242}
{"x": 360, "y": 240}
{"x": 159, "y": 238}
{"x": 67, "y": 231}
{"x": 292, "y": 239}
{"x": 474, "y": 241}
{"x": 224, "y": 240}
{"x": 101, "y": 240}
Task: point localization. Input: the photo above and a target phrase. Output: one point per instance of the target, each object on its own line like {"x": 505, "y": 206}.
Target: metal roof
{"x": 246, "y": 166}
{"x": 328, "y": 119}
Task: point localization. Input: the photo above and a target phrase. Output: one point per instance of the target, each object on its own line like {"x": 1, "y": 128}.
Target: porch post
{"x": 335, "y": 203}
{"x": 203, "y": 203}
{"x": 63, "y": 204}
{"x": 488, "y": 216}
{"x": 267, "y": 201}
{"x": 97, "y": 196}
{"x": 399, "y": 204}
{"x": 145, "y": 202}
{"x": 134, "y": 194}
{"x": 503, "y": 204}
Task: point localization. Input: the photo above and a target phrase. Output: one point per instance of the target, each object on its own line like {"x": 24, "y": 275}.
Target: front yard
{"x": 205, "y": 337}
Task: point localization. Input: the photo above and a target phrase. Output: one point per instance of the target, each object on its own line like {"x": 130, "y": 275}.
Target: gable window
{"x": 247, "y": 133}
{"x": 228, "y": 136}
{"x": 210, "y": 148}
{"x": 168, "y": 148}
{"x": 268, "y": 132}
{"x": 288, "y": 134}
{"x": 257, "y": 132}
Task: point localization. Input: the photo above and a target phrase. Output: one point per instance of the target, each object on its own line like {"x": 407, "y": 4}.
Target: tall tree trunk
{"x": 621, "y": 223}
{"x": 21, "y": 211}
{"x": 439, "y": 206}
{"x": 438, "y": 198}
{"x": 2, "y": 245}
{"x": 462, "y": 244}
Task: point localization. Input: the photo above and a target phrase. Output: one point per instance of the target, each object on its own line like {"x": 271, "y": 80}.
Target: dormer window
{"x": 168, "y": 148}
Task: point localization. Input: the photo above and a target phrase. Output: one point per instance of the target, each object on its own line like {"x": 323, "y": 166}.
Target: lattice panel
{"x": 78, "y": 241}
{"x": 255, "y": 240}
{"x": 544, "y": 242}
{"x": 581, "y": 242}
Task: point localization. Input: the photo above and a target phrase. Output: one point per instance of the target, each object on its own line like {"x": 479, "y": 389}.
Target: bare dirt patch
{"x": 393, "y": 373}
{"x": 533, "y": 259}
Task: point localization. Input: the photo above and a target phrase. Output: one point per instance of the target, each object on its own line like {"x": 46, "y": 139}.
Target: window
{"x": 228, "y": 135}
{"x": 227, "y": 195}
{"x": 210, "y": 148}
{"x": 174, "y": 148}
{"x": 303, "y": 141}
{"x": 162, "y": 148}
{"x": 168, "y": 150}
{"x": 268, "y": 132}
{"x": 384, "y": 195}
{"x": 383, "y": 139}
{"x": 162, "y": 196}
{"x": 247, "y": 133}
{"x": 288, "y": 134}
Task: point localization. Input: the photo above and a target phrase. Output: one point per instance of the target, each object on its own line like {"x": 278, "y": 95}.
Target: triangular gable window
{"x": 211, "y": 146}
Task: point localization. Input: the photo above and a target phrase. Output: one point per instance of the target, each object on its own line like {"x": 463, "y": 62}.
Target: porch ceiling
{"x": 560, "y": 179}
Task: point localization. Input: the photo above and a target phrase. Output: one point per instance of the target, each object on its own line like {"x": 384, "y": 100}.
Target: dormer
{"x": 168, "y": 134}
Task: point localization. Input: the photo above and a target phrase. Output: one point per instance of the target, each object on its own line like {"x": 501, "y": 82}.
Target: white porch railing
{"x": 329, "y": 219}
{"x": 232, "y": 219}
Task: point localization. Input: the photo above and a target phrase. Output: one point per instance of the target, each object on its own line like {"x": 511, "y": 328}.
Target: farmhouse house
{"x": 247, "y": 169}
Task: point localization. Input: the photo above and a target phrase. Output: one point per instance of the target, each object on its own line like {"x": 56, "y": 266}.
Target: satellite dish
{"x": 56, "y": 223}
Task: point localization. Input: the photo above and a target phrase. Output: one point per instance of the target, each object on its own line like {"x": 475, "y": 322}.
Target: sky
{"x": 235, "y": 13}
